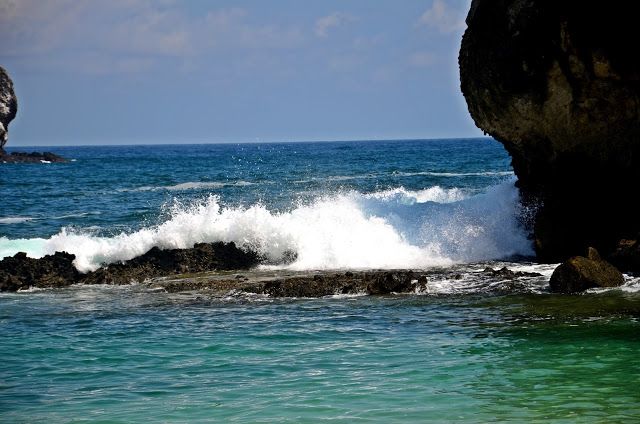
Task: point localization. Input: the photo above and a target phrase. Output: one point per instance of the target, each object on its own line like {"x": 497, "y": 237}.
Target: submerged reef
{"x": 558, "y": 83}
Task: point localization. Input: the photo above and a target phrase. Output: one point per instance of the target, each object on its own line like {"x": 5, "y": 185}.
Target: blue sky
{"x": 141, "y": 71}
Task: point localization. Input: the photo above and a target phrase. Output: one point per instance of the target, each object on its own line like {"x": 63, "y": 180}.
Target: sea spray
{"x": 395, "y": 228}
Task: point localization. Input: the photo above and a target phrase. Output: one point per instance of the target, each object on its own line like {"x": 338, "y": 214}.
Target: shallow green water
{"x": 101, "y": 354}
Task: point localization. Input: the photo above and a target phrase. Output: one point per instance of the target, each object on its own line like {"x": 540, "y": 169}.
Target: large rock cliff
{"x": 8, "y": 106}
{"x": 558, "y": 83}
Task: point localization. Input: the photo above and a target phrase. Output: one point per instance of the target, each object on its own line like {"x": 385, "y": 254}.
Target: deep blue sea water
{"x": 466, "y": 350}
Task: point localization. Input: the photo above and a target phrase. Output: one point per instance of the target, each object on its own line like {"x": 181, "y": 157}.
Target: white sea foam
{"x": 392, "y": 229}
{"x": 21, "y": 219}
{"x": 15, "y": 219}
{"x": 191, "y": 185}
{"x": 457, "y": 174}
{"x": 432, "y": 194}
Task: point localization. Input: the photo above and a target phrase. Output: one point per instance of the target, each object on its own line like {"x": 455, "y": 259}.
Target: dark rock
{"x": 580, "y": 273}
{"x": 57, "y": 270}
{"x": 508, "y": 274}
{"x": 391, "y": 282}
{"x": 558, "y": 83}
{"x": 8, "y": 106}
{"x": 372, "y": 283}
{"x": 156, "y": 262}
{"x": 33, "y": 157}
{"x": 21, "y": 272}
{"x": 304, "y": 287}
{"x": 626, "y": 257}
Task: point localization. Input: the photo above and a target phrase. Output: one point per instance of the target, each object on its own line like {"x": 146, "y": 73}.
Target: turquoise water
{"x": 472, "y": 348}
{"x": 121, "y": 355}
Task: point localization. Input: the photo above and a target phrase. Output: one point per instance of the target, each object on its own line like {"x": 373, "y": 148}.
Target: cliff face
{"x": 558, "y": 83}
{"x": 8, "y": 105}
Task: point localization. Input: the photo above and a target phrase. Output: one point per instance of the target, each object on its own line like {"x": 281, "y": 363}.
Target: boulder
{"x": 558, "y": 83}
{"x": 580, "y": 273}
{"x": 8, "y": 106}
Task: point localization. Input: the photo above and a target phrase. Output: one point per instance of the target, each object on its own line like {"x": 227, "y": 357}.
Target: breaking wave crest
{"x": 389, "y": 229}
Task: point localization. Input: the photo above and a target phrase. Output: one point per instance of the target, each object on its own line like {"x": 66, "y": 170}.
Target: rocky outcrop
{"x": 21, "y": 272}
{"x": 508, "y": 274}
{"x": 580, "y": 273}
{"x": 217, "y": 256}
{"x": 33, "y": 157}
{"x": 558, "y": 83}
{"x": 302, "y": 285}
{"x": 8, "y": 110}
{"x": 8, "y": 106}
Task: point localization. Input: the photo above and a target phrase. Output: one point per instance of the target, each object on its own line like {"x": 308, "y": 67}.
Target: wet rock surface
{"x": 156, "y": 262}
{"x": 20, "y": 272}
{"x": 303, "y": 285}
{"x": 508, "y": 274}
{"x": 581, "y": 273}
{"x": 557, "y": 83}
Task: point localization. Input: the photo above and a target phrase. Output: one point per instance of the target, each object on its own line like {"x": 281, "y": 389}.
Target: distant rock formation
{"x": 558, "y": 83}
{"x": 8, "y": 106}
{"x": 8, "y": 110}
{"x": 33, "y": 157}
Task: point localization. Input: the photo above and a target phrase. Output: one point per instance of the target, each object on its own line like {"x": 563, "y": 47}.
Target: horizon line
{"x": 200, "y": 143}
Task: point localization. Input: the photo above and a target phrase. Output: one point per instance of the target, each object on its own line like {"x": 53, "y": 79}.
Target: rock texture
{"x": 580, "y": 273}
{"x": 8, "y": 106}
{"x": 21, "y": 272}
{"x": 33, "y": 157}
{"x": 558, "y": 83}
{"x": 157, "y": 263}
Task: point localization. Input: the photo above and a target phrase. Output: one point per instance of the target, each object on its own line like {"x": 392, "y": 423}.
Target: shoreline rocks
{"x": 556, "y": 83}
{"x": 20, "y": 272}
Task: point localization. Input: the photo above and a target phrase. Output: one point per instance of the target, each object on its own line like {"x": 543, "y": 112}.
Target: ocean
{"x": 468, "y": 349}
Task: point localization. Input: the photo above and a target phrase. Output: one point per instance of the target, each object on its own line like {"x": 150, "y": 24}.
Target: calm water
{"x": 471, "y": 349}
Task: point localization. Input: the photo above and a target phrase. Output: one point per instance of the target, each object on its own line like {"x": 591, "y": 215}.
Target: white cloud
{"x": 131, "y": 35}
{"x": 334, "y": 20}
{"x": 444, "y": 18}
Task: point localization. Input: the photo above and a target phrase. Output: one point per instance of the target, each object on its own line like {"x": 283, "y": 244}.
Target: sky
{"x": 169, "y": 71}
